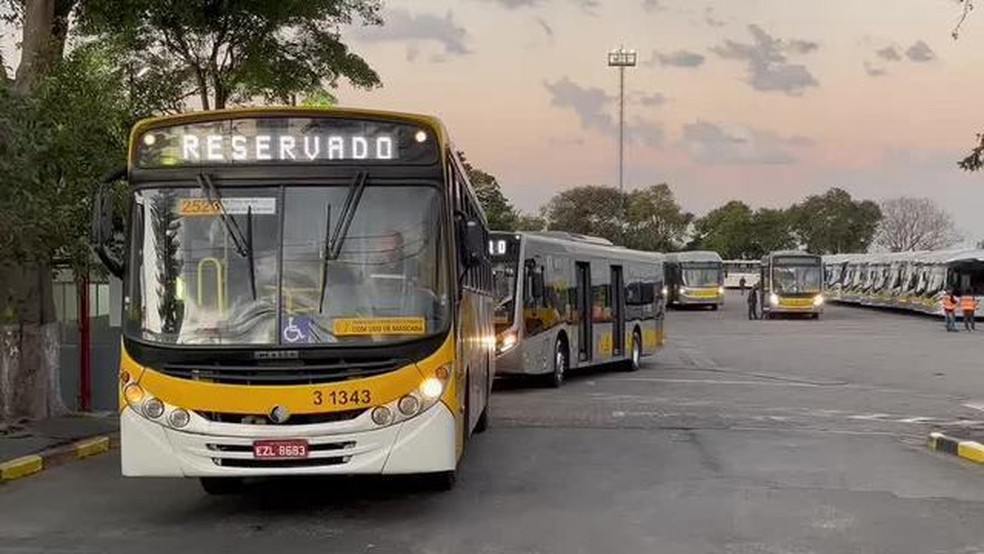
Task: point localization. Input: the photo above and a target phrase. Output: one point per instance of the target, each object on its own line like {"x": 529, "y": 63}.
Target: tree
{"x": 587, "y": 210}
{"x": 231, "y": 52}
{"x": 498, "y": 210}
{"x": 655, "y": 220}
{"x": 834, "y": 222}
{"x": 770, "y": 232}
{"x": 910, "y": 224}
{"x": 528, "y": 222}
{"x": 726, "y": 230}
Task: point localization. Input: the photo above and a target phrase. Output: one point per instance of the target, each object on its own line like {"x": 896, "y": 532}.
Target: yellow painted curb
{"x": 91, "y": 447}
{"x": 973, "y": 451}
{"x": 21, "y": 467}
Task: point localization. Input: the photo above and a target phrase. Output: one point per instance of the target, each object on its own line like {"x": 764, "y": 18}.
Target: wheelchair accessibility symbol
{"x": 297, "y": 330}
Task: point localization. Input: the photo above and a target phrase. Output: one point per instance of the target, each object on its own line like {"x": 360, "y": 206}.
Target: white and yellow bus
{"x": 307, "y": 291}
{"x": 566, "y": 301}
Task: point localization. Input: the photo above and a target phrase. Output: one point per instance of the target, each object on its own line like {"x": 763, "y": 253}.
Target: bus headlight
{"x": 408, "y": 405}
{"x": 506, "y": 342}
{"x": 666, "y": 291}
{"x": 133, "y": 394}
{"x": 818, "y": 301}
{"x": 179, "y": 418}
{"x": 774, "y": 299}
{"x": 720, "y": 291}
{"x": 381, "y": 415}
{"x": 431, "y": 388}
{"x": 153, "y": 408}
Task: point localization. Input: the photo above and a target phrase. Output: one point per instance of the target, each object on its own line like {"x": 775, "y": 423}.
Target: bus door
{"x": 585, "y": 340}
{"x": 618, "y": 312}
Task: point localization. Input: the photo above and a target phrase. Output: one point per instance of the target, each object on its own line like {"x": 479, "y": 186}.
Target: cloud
{"x": 920, "y": 52}
{"x": 402, "y": 26}
{"x": 873, "y": 70}
{"x": 711, "y": 20}
{"x": 593, "y": 108}
{"x": 547, "y": 29}
{"x": 586, "y": 5}
{"x": 769, "y": 68}
{"x": 650, "y": 99}
{"x": 889, "y": 54}
{"x": 723, "y": 144}
{"x": 679, "y": 58}
{"x": 653, "y": 5}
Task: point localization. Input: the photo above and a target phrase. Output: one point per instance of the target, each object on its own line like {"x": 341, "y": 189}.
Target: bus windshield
{"x": 504, "y": 277}
{"x": 796, "y": 279}
{"x": 191, "y": 282}
{"x": 701, "y": 275}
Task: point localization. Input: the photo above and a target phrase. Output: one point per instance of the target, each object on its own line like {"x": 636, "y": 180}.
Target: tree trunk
{"x": 29, "y": 345}
{"x": 39, "y": 21}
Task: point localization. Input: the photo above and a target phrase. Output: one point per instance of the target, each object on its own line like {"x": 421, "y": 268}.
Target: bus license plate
{"x": 280, "y": 449}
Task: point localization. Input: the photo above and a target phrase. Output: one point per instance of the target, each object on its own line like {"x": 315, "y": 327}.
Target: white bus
{"x": 565, "y": 301}
{"x": 694, "y": 278}
{"x": 734, "y": 270}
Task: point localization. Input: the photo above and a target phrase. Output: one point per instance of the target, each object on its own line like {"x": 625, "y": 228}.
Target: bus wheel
{"x": 221, "y": 486}
{"x": 560, "y": 364}
{"x": 635, "y": 354}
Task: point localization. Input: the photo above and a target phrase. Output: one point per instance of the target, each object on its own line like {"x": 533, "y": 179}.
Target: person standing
{"x": 741, "y": 285}
{"x": 752, "y": 300}
{"x": 949, "y": 309}
{"x": 968, "y": 305}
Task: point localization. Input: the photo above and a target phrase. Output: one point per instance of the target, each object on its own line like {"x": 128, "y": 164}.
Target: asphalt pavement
{"x": 765, "y": 437}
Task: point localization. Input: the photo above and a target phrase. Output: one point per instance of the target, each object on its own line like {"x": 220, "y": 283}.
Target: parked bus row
{"x": 914, "y": 281}
{"x": 737, "y": 270}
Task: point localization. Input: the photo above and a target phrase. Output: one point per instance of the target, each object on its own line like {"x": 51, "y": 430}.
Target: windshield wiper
{"x": 242, "y": 243}
{"x": 335, "y": 240}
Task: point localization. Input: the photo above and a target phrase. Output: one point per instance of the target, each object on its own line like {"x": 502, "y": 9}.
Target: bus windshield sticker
{"x": 379, "y": 326}
{"x": 232, "y": 206}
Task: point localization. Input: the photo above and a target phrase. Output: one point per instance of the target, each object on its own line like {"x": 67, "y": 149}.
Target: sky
{"x": 766, "y": 101}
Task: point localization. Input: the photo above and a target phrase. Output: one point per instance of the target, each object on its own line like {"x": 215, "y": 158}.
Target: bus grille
{"x": 295, "y": 419}
{"x": 280, "y": 374}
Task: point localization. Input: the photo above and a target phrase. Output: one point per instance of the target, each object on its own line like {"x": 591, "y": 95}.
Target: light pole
{"x": 621, "y": 59}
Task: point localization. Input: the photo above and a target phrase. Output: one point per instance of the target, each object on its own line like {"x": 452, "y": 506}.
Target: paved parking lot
{"x": 769, "y": 436}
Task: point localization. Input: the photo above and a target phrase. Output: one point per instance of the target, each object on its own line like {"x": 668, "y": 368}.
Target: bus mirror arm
{"x": 102, "y": 223}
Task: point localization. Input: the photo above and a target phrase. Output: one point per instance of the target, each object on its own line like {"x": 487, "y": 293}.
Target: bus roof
{"x": 573, "y": 243}
{"x": 694, "y": 256}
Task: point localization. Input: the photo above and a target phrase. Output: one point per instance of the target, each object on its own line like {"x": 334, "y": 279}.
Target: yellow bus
{"x": 307, "y": 291}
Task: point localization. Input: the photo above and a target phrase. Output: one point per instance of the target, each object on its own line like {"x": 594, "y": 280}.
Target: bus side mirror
{"x": 472, "y": 243}
{"x": 102, "y": 224}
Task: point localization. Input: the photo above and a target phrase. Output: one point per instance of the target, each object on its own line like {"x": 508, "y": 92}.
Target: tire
{"x": 561, "y": 363}
{"x": 482, "y": 425}
{"x": 635, "y": 352}
{"x": 222, "y": 486}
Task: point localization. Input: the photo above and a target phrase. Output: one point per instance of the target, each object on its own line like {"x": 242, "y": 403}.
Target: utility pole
{"x": 621, "y": 59}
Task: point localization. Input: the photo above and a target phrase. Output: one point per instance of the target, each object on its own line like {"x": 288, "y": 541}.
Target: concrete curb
{"x": 29, "y": 465}
{"x": 968, "y": 450}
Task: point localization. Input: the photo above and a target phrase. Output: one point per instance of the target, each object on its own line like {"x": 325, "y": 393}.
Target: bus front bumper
{"x": 423, "y": 444}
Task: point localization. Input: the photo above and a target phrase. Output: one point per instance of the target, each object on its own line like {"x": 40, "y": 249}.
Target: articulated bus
{"x": 791, "y": 283}
{"x": 307, "y": 291}
{"x": 695, "y": 279}
{"x": 566, "y": 301}
{"x": 735, "y": 270}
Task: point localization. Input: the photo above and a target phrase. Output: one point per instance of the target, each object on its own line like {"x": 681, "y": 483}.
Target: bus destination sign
{"x": 286, "y": 141}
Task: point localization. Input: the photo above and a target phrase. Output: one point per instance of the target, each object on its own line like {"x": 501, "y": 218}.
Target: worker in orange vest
{"x": 949, "y": 307}
{"x": 968, "y": 305}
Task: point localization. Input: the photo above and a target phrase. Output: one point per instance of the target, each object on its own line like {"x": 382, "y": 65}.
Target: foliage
{"x": 834, "y": 222}
{"x": 54, "y": 145}
{"x": 655, "y": 220}
{"x": 910, "y": 224}
{"x": 726, "y": 230}
{"x": 586, "y": 210}
{"x": 232, "y": 52}
{"x": 770, "y": 232}
{"x": 529, "y": 222}
{"x": 501, "y": 214}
